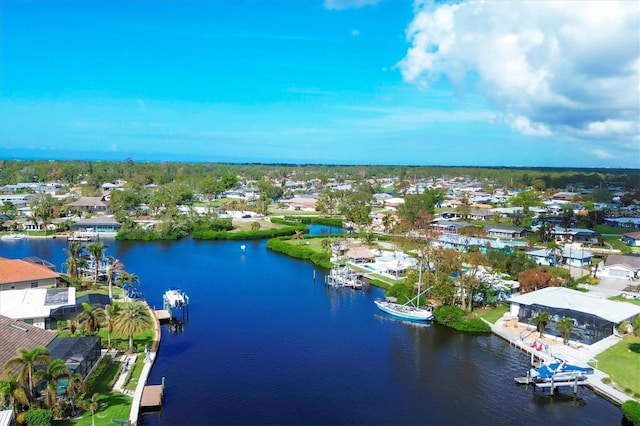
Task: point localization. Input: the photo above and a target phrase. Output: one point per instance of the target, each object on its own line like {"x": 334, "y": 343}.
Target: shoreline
{"x": 581, "y": 354}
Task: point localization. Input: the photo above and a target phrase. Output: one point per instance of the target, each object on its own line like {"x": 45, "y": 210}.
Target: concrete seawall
{"x": 582, "y": 355}
{"x": 146, "y": 369}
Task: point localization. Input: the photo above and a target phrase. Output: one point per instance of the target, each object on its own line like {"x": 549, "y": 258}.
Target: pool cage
{"x": 80, "y": 354}
{"x": 587, "y": 328}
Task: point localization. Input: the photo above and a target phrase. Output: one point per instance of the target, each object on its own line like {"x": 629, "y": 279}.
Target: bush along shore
{"x": 459, "y": 320}
{"x": 284, "y": 246}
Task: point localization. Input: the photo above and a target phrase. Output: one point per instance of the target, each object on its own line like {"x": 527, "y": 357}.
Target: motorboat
{"x": 12, "y": 237}
{"x": 559, "y": 371}
{"x": 175, "y": 298}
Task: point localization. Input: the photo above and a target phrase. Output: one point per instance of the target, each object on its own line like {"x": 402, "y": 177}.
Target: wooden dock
{"x": 162, "y": 314}
{"x": 152, "y": 397}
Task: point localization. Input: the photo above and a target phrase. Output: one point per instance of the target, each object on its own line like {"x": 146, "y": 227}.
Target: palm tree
{"x": 13, "y": 390}
{"x": 133, "y": 318}
{"x": 114, "y": 268}
{"x": 75, "y": 387}
{"x": 27, "y": 361}
{"x": 96, "y": 250}
{"x": 369, "y": 239}
{"x": 73, "y": 252}
{"x": 110, "y": 313}
{"x": 554, "y": 249}
{"x": 540, "y": 320}
{"x": 55, "y": 371}
{"x": 91, "y": 405}
{"x": 299, "y": 235}
{"x": 564, "y": 326}
{"x": 326, "y": 244}
{"x": 90, "y": 319}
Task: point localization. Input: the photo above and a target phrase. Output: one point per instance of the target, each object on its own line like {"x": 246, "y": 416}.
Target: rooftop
{"x": 591, "y": 303}
{"x": 15, "y": 270}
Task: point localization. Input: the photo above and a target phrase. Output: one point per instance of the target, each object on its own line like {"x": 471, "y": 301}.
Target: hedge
{"x": 631, "y": 411}
{"x": 456, "y": 318}
{"x": 316, "y": 220}
{"x": 280, "y": 245}
{"x": 249, "y": 235}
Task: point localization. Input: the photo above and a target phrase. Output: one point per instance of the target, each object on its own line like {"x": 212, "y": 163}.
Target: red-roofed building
{"x": 18, "y": 274}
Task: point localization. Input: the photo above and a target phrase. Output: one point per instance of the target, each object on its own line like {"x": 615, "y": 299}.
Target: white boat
{"x": 559, "y": 371}
{"x": 175, "y": 298}
{"x": 12, "y": 237}
{"x": 407, "y": 310}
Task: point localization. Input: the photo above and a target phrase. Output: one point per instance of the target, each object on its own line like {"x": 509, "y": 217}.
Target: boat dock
{"x": 343, "y": 276}
{"x": 83, "y": 236}
{"x": 162, "y": 315}
{"x": 552, "y": 385}
{"x": 152, "y": 397}
{"x": 174, "y": 298}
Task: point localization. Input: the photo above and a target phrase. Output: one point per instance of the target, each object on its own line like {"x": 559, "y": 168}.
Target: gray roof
{"x": 591, "y": 303}
{"x": 631, "y": 262}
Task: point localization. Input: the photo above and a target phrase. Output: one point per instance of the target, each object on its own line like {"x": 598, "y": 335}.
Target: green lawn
{"x": 620, "y": 299}
{"x": 121, "y": 342}
{"x": 134, "y": 373}
{"x": 622, "y": 364}
{"x": 492, "y": 314}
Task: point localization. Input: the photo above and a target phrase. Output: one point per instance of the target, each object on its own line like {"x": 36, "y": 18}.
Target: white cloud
{"x": 355, "y": 32}
{"x": 570, "y": 69}
{"x": 523, "y": 125}
{"x": 602, "y": 154}
{"x": 347, "y": 4}
{"x": 112, "y": 147}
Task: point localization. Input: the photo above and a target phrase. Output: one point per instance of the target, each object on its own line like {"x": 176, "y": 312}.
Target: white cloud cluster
{"x": 564, "y": 68}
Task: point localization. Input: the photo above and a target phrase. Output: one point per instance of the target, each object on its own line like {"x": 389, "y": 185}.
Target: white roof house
{"x": 34, "y": 305}
{"x": 590, "y": 303}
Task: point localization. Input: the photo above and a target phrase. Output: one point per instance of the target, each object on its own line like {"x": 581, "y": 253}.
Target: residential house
{"x": 575, "y": 235}
{"x": 91, "y": 205}
{"x": 594, "y": 317}
{"x": 18, "y": 274}
{"x": 568, "y": 255}
{"x": 631, "y": 239}
{"x": 34, "y": 305}
{"x": 620, "y": 266}
{"x": 625, "y": 222}
{"x": 15, "y": 335}
{"x": 301, "y": 203}
{"x": 500, "y": 231}
{"x": 103, "y": 225}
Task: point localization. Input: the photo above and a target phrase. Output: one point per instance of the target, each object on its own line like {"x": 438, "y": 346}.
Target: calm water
{"x": 266, "y": 344}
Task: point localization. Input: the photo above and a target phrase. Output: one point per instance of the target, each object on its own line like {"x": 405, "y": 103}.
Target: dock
{"x": 83, "y": 236}
{"x": 551, "y": 385}
{"x": 162, "y": 315}
{"x": 343, "y": 276}
{"x": 152, "y": 397}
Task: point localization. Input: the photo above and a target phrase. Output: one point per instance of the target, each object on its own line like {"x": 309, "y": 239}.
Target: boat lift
{"x": 174, "y": 298}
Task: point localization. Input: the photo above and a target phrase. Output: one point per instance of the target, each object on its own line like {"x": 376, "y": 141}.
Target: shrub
{"x": 249, "y": 235}
{"x": 94, "y": 379}
{"x": 314, "y": 220}
{"x": 456, "y": 318}
{"x": 623, "y": 327}
{"x": 631, "y": 411}
{"x": 299, "y": 252}
{"x": 606, "y": 380}
{"x": 38, "y": 418}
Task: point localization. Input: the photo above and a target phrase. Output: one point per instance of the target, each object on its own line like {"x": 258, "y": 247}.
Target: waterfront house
{"x": 34, "y": 305}
{"x": 620, "y": 266}
{"x": 80, "y": 354}
{"x": 102, "y": 225}
{"x": 594, "y": 317}
{"x": 301, "y": 203}
{"x": 18, "y": 274}
{"x": 359, "y": 255}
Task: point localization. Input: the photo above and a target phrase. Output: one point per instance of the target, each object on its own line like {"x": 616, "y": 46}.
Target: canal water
{"x": 267, "y": 343}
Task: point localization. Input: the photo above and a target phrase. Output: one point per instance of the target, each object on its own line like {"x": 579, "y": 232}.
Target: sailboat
{"x": 408, "y": 310}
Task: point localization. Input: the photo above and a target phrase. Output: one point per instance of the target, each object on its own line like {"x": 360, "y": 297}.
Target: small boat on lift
{"x": 175, "y": 298}
{"x": 559, "y": 371}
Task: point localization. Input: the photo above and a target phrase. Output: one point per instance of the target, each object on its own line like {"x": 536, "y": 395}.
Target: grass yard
{"x": 492, "y": 314}
{"x": 134, "y": 373}
{"x": 622, "y": 364}
{"x": 240, "y": 225}
{"x": 121, "y": 342}
{"x": 620, "y": 299}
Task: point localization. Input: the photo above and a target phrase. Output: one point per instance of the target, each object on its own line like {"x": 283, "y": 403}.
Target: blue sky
{"x": 312, "y": 81}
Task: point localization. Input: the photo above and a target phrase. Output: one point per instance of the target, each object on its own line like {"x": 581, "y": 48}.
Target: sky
{"x": 495, "y": 83}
